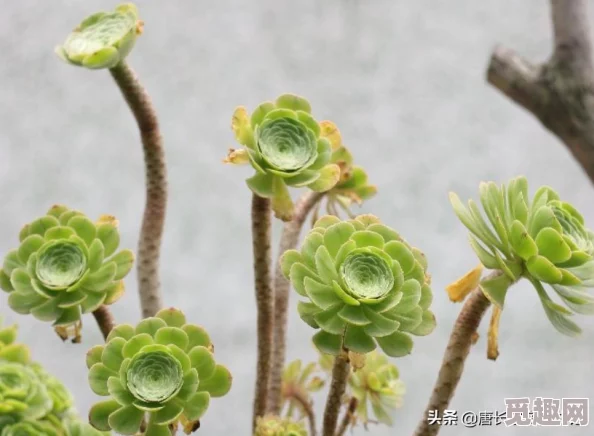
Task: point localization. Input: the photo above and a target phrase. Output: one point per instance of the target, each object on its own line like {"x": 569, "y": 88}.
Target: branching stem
{"x": 282, "y": 286}
{"x": 104, "y": 320}
{"x": 149, "y": 245}
{"x": 340, "y": 375}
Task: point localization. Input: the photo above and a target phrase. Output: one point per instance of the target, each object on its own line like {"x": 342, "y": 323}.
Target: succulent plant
{"x": 544, "y": 240}
{"x": 298, "y": 383}
{"x": 9, "y": 350}
{"x": 376, "y": 385}
{"x": 104, "y": 39}
{"x": 352, "y": 187}
{"x": 22, "y": 393}
{"x": 65, "y": 265}
{"x": 70, "y": 427}
{"x": 275, "y": 426}
{"x": 163, "y": 367}
{"x": 364, "y": 284}
{"x": 287, "y": 147}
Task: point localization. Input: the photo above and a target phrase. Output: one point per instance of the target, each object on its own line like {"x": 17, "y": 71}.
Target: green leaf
{"x": 544, "y": 270}
{"x": 521, "y": 242}
{"x": 107, "y": 57}
{"x": 157, "y": 430}
{"x": 293, "y": 102}
{"x": 197, "y": 405}
{"x": 304, "y": 178}
{"x": 325, "y": 265}
{"x": 68, "y": 316}
{"x": 342, "y": 295}
{"x": 365, "y": 238}
{"x": 197, "y": 336}
{"x": 336, "y": 236}
{"x": 189, "y": 386}
{"x": 218, "y": 384}
{"x": 397, "y": 344}
{"x": 354, "y": 315}
{"x": 100, "y": 279}
{"x": 99, "y": 414}
{"x": 260, "y": 112}
{"x": 168, "y": 414}
{"x": 401, "y": 254}
{"x": 411, "y": 295}
{"x": 557, "y": 314}
{"x": 203, "y": 361}
{"x": 357, "y": 340}
{"x": 329, "y": 176}
{"x": 126, "y": 420}
{"x": 94, "y": 355}
{"x": 108, "y": 234}
{"x": 119, "y": 392}
{"x": 329, "y": 321}
{"x": 125, "y": 331}
{"x": 321, "y": 295}
{"x": 98, "y": 376}
{"x": 380, "y": 325}
{"x": 261, "y": 184}
{"x": 485, "y": 256}
{"x": 150, "y": 326}
{"x": 552, "y": 246}
{"x": 328, "y": 343}
{"x": 427, "y": 325}
{"x": 307, "y": 311}
{"x": 495, "y": 289}
{"x": 287, "y": 260}
{"x": 30, "y": 245}
{"x": 408, "y": 320}
{"x": 282, "y": 204}
{"x": 84, "y": 228}
{"x": 124, "y": 261}
{"x": 136, "y": 343}
{"x": 172, "y": 335}
{"x": 297, "y": 276}
{"x": 112, "y": 356}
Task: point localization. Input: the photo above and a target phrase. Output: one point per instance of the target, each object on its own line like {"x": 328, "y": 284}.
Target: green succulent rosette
{"x": 66, "y": 264}
{"x": 364, "y": 285}
{"x": 10, "y": 350}
{"x": 287, "y": 147}
{"x": 352, "y": 188}
{"x": 103, "y": 39}
{"x": 163, "y": 367}
{"x": 70, "y": 427}
{"x": 22, "y": 393}
{"x": 544, "y": 240}
{"x": 275, "y": 426}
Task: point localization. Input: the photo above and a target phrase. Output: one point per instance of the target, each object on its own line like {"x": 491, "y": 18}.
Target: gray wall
{"x": 405, "y": 83}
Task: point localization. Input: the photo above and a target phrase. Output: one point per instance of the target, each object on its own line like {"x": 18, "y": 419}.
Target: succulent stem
{"x": 156, "y": 187}
{"x": 307, "y": 407}
{"x": 347, "y": 419}
{"x": 261, "y": 235}
{"x": 461, "y": 339}
{"x": 104, "y": 319}
{"x": 340, "y": 375}
{"x": 282, "y": 286}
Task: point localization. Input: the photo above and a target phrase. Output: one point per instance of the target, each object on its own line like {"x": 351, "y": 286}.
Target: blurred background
{"x": 403, "y": 80}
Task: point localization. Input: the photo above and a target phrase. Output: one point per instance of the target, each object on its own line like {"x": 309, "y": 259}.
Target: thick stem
{"x": 560, "y": 93}
{"x": 347, "y": 419}
{"x": 340, "y": 375}
{"x": 461, "y": 339}
{"x": 282, "y": 286}
{"x": 149, "y": 245}
{"x": 261, "y": 234}
{"x": 104, "y": 320}
{"x": 307, "y": 407}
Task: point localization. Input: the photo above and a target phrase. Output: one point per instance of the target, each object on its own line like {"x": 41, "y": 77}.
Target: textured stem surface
{"x": 560, "y": 93}
{"x": 261, "y": 233}
{"x": 347, "y": 418}
{"x": 149, "y": 245}
{"x": 340, "y": 375}
{"x": 461, "y": 339}
{"x": 308, "y": 409}
{"x": 282, "y": 287}
{"x": 104, "y": 320}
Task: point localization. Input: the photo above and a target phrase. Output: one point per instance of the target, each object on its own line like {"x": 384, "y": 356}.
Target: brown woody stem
{"x": 340, "y": 375}
{"x": 261, "y": 234}
{"x": 282, "y": 286}
{"x": 461, "y": 339}
{"x": 149, "y": 245}
{"x": 307, "y": 407}
{"x": 104, "y": 320}
{"x": 347, "y": 419}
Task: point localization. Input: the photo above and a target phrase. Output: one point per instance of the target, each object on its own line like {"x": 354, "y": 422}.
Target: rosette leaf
{"x": 65, "y": 265}
{"x": 544, "y": 240}
{"x": 102, "y": 40}
{"x": 275, "y": 426}
{"x": 23, "y": 396}
{"x": 287, "y": 147}
{"x": 364, "y": 285}
{"x": 29, "y": 428}
{"x": 163, "y": 367}
{"x": 10, "y": 350}
{"x": 352, "y": 188}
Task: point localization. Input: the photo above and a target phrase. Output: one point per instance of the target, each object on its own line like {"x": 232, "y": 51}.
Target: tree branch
{"x": 340, "y": 375}
{"x": 307, "y": 407}
{"x": 455, "y": 355}
{"x": 282, "y": 287}
{"x": 560, "y": 93}
{"x": 104, "y": 320}
{"x": 261, "y": 229}
{"x": 149, "y": 246}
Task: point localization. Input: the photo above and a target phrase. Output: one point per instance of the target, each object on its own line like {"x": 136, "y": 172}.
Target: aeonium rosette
{"x": 365, "y": 285}
{"x": 287, "y": 147}
{"x": 163, "y": 367}
{"x": 66, "y": 264}
{"x": 544, "y": 240}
